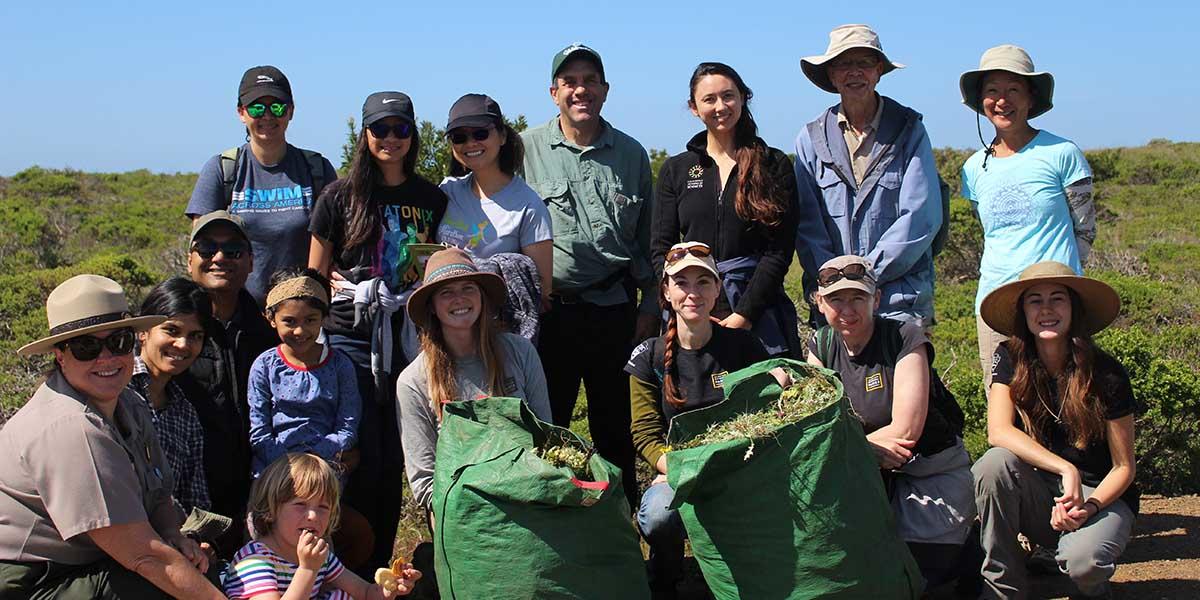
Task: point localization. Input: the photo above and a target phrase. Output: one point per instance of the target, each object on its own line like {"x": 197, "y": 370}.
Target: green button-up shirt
{"x": 599, "y": 199}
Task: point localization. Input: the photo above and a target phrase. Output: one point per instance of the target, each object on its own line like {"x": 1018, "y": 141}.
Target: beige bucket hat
{"x": 841, "y": 39}
{"x": 87, "y": 304}
{"x": 1101, "y": 304}
{"x": 1013, "y": 59}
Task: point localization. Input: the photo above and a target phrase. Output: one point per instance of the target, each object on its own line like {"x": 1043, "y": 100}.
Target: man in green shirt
{"x": 596, "y": 182}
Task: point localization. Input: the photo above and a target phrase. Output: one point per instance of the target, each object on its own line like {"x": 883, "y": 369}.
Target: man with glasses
{"x": 867, "y": 179}
{"x": 219, "y": 260}
{"x": 596, "y": 181}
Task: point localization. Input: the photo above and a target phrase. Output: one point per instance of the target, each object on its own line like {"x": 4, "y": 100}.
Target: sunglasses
{"x": 87, "y": 347}
{"x": 208, "y": 249}
{"x": 678, "y": 254}
{"x": 381, "y": 130}
{"x": 258, "y": 109}
{"x": 864, "y": 63}
{"x": 831, "y": 275}
{"x": 459, "y": 136}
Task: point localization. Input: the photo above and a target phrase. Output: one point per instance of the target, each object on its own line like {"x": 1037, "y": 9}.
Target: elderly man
{"x": 220, "y": 260}
{"x": 596, "y": 182}
{"x": 867, "y": 179}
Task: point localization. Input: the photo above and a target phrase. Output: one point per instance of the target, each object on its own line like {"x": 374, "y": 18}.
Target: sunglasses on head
{"x": 258, "y": 109}
{"x": 380, "y": 130}
{"x": 87, "y": 347}
{"x": 677, "y": 254}
{"x": 208, "y": 249}
{"x": 831, "y": 275}
{"x": 458, "y": 136}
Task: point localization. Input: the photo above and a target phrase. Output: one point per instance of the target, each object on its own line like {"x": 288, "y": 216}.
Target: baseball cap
{"x": 474, "y": 110}
{"x": 262, "y": 81}
{"x": 690, "y": 254}
{"x": 575, "y": 51}
{"x": 382, "y": 105}
{"x": 865, "y": 283}
{"x": 218, "y": 216}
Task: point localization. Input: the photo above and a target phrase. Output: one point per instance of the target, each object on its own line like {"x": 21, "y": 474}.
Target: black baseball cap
{"x": 575, "y": 51}
{"x": 264, "y": 81}
{"x": 474, "y": 110}
{"x": 382, "y": 105}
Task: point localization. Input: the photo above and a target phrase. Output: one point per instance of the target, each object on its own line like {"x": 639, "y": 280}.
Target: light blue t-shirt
{"x": 1022, "y": 203}
{"x": 513, "y": 218}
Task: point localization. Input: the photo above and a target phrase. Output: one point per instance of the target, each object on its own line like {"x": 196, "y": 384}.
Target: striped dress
{"x": 256, "y": 569}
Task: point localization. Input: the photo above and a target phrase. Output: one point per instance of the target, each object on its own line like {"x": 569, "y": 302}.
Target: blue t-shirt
{"x": 1022, "y": 203}
{"x": 275, "y": 202}
{"x": 513, "y": 218}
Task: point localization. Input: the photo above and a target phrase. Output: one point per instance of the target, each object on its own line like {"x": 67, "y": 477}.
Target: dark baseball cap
{"x": 382, "y": 105}
{"x": 575, "y": 51}
{"x": 474, "y": 110}
{"x": 264, "y": 81}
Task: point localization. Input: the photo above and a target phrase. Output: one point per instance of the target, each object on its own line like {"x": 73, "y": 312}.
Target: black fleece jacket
{"x": 687, "y": 207}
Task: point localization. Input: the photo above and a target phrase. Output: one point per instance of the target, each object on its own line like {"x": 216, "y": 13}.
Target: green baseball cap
{"x": 575, "y": 51}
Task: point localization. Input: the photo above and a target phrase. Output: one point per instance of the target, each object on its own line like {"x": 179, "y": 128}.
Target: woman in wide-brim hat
{"x": 86, "y": 488}
{"x": 1060, "y": 420}
{"x": 1031, "y": 188}
{"x": 465, "y": 354}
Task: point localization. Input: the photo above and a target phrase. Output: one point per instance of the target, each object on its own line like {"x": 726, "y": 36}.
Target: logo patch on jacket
{"x": 695, "y": 173}
{"x": 718, "y": 379}
{"x": 874, "y": 381}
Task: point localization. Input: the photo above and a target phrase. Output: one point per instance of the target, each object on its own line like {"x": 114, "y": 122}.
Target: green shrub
{"x": 36, "y": 181}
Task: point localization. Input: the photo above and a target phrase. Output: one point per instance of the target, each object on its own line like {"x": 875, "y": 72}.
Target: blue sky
{"x": 116, "y": 86}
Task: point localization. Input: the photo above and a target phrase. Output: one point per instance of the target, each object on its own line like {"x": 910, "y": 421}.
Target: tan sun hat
{"x": 444, "y": 266}
{"x": 1101, "y": 304}
{"x": 690, "y": 254}
{"x": 87, "y": 304}
{"x": 866, "y": 283}
{"x": 1012, "y": 59}
{"x": 841, "y": 39}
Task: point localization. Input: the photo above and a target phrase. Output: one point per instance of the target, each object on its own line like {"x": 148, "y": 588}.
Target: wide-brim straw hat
{"x": 841, "y": 39}
{"x": 87, "y": 304}
{"x": 445, "y": 266}
{"x": 1101, "y": 304}
{"x": 1012, "y": 59}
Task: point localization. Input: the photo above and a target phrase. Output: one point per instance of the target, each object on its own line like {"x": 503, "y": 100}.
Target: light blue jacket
{"x": 891, "y": 219}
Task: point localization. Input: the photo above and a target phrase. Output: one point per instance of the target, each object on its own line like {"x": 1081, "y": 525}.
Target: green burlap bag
{"x": 805, "y": 516}
{"x": 510, "y": 525}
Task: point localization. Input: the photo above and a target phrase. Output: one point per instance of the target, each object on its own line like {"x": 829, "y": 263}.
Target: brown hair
{"x": 512, "y": 153}
{"x": 1081, "y": 408}
{"x": 439, "y": 364}
{"x": 293, "y": 475}
{"x": 759, "y": 195}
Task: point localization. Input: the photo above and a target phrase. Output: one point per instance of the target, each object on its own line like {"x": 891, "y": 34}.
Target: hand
{"x": 1072, "y": 496}
{"x": 1068, "y": 519}
{"x": 349, "y": 460}
{"x": 311, "y": 550}
{"x": 891, "y": 452}
{"x": 782, "y": 377}
{"x": 193, "y": 552}
{"x": 660, "y": 478}
{"x": 647, "y": 327}
{"x": 394, "y": 581}
{"x": 736, "y": 321}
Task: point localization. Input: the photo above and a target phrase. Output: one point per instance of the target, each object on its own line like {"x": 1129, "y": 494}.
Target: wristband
{"x": 1093, "y": 503}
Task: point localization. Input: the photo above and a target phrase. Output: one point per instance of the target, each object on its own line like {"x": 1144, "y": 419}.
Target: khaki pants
{"x": 988, "y": 341}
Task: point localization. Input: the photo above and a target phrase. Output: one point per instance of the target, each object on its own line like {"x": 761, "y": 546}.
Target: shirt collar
{"x": 603, "y": 140}
{"x": 844, "y": 123}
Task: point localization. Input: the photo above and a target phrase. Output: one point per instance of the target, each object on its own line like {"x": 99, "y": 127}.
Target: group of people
{"x": 279, "y": 390}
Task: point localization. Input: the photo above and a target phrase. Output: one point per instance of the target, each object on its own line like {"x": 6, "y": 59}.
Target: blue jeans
{"x": 664, "y": 533}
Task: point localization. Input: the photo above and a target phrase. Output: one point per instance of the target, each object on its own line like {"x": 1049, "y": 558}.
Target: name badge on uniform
{"x": 718, "y": 379}
{"x": 874, "y": 381}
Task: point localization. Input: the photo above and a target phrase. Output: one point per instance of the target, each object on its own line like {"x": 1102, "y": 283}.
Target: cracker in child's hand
{"x": 389, "y": 579}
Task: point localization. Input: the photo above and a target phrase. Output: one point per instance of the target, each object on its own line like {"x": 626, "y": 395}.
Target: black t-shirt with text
{"x": 700, "y": 374}
{"x": 1095, "y": 461}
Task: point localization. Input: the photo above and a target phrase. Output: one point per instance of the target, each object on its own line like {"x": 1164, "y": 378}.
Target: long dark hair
{"x": 362, "y": 215}
{"x": 178, "y": 296}
{"x": 512, "y": 153}
{"x": 1081, "y": 408}
{"x": 759, "y": 197}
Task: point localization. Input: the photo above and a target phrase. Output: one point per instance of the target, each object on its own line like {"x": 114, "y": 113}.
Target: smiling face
{"x": 855, "y": 73}
{"x": 267, "y": 129}
{"x": 458, "y": 305}
{"x": 579, "y": 90}
{"x": 850, "y": 311}
{"x": 478, "y": 154}
{"x": 102, "y": 379}
{"x": 390, "y": 150}
{"x": 692, "y": 294}
{"x": 717, "y": 102}
{"x": 172, "y": 346}
{"x": 1006, "y": 99}
{"x": 1047, "y": 308}
{"x": 297, "y": 324}
{"x": 220, "y": 273}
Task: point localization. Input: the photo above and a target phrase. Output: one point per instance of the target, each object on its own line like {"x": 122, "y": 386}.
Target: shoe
{"x": 1041, "y": 561}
